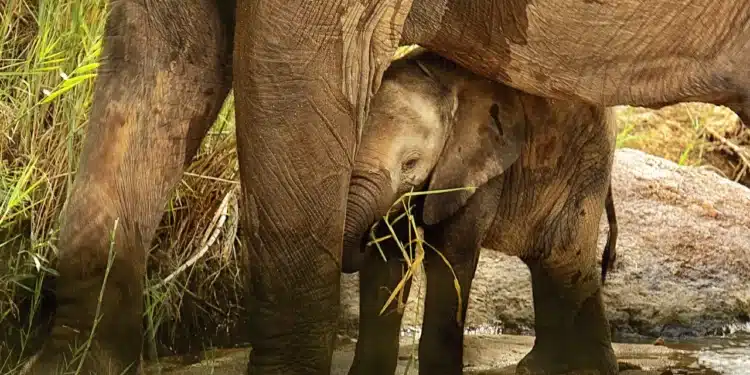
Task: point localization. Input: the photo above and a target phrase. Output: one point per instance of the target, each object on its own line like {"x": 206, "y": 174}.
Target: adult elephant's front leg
{"x": 304, "y": 73}
{"x": 164, "y": 76}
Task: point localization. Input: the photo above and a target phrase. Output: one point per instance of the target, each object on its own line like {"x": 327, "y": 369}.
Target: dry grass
{"x": 695, "y": 134}
{"x": 48, "y": 58}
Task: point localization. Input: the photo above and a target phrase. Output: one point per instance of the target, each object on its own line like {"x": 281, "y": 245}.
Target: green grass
{"x": 47, "y": 58}
{"x": 49, "y": 54}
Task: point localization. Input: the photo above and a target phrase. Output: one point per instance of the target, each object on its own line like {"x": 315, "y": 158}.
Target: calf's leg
{"x": 442, "y": 342}
{"x": 459, "y": 240}
{"x": 378, "y": 343}
{"x": 572, "y": 332}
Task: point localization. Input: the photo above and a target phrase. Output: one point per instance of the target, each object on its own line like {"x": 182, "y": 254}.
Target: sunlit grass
{"x": 49, "y": 55}
{"x": 412, "y": 247}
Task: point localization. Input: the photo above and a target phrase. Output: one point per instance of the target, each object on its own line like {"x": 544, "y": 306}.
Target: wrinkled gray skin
{"x": 434, "y": 125}
{"x": 303, "y": 74}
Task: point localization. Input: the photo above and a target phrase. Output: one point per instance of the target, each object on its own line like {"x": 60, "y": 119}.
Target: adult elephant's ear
{"x": 479, "y": 148}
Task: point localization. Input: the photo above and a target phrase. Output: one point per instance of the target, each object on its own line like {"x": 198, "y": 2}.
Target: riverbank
{"x": 498, "y": 355}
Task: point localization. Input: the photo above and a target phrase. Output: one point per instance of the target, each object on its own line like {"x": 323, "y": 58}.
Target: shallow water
{"x": 728, "y": 354}
{"x": 488, "y": 351}
{"x": 732, "y": 358}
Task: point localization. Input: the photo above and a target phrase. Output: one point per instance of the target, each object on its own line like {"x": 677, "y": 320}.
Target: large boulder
{"x": 683, "y": 259}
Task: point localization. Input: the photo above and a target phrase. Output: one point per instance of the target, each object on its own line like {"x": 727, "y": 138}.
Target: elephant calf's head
{"x": 431, "y": 126}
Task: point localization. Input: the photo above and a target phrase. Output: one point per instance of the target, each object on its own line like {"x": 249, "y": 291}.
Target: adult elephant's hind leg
{"x": 164, "y": 76}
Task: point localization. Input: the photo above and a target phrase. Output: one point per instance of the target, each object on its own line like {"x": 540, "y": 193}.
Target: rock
{"x": 683, "y": 265}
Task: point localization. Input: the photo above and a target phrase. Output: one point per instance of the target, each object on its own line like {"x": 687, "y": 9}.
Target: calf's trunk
{"x": 370, "y": 196}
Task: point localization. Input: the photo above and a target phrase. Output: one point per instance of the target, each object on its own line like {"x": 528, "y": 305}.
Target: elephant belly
{"x": 553, "y": 196}
{"x": 643, "y": 53}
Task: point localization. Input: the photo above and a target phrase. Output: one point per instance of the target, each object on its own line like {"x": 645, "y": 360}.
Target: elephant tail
{"x": 610, "y": 252}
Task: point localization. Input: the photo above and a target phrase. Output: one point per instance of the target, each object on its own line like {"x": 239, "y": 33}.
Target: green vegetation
{"x": 49, "y": 55}
{"x": 49, "y": 51}
{"x": 694, "y": 134}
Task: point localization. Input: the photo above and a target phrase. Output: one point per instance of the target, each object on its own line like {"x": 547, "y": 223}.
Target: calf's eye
{"x": 409, "y": 164}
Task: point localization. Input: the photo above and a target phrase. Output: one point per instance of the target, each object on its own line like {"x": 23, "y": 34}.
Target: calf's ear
{"x": 479, "y": 148}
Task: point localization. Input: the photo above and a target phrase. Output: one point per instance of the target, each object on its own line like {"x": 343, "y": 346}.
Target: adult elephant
{"x": 303, "y": 74}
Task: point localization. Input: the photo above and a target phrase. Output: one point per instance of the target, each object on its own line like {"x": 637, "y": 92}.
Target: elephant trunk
{"x": 370, "y": 195}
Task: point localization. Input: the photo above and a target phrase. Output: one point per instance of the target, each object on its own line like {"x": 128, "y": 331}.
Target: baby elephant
{"x": 542, "y": 171}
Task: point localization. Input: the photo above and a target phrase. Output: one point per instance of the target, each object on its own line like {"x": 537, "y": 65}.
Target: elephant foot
{"x": 94, "y": 330}
{"x": 86, "y": 359}
{"x": 572, "y": 337}
{"x": 563, "y": 361}
{"x": 580, "y": 349}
